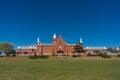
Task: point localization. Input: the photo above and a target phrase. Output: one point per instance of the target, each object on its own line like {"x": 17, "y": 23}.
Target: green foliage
{"x": 6, "y": 47}
{"x": 96, "y": 54}
{"x": 76, "y": 55}
{"x": 53, "y": 53}
{"x": 118, "y": 55}
{"x": 33, "y": 57}
{"x": 78, "y": 48}
{"x": 67, "y": 55}
{"x": 105, "y": 56}
{"x": 12, "y": 53}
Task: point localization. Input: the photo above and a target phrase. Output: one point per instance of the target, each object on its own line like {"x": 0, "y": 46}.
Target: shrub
{"x": 105, "y": 56}
{"x": 53, "y": 54}
{"x": 95, "y": 54}
{"x": 74, "y": 55}
{"x": 33, "y": 57}
{"x": 99, "y": 54}
{"x": 7, "y": 54}
{"x": 89, "y": 54}
{"x": 2, "y": 56}
{"x": 13, "y": 55}
{"x": 118, "y": 55}
{"x": 67, "y": 55}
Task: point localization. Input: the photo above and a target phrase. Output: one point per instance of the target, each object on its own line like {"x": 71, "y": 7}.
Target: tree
{"x": 53, "y": 52}
{"x": 6, "y": 47}
{"x": 78, "y": 48}
{"x": 117, "y": 50}
{"x": 12, "y": 52}
{"x": 67, "y": 53}
{"x": 110, "y": 50}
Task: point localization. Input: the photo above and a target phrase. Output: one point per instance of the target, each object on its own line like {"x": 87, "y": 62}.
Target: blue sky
{"x": 96, "y": 21}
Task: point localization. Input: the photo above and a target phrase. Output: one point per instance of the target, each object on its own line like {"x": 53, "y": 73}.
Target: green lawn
{"x": 22, "y": 68}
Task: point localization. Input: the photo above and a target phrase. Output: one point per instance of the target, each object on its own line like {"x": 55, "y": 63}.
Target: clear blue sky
{"x": 96, "y": 21}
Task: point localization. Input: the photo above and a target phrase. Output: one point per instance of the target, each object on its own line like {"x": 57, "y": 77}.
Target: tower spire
{"x": 54, "y": 36}
{"x": 81, "y": 40}
{"x": 38, "y": 40}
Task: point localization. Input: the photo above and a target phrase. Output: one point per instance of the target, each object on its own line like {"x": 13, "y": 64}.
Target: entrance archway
{"x": 60, "y": 52}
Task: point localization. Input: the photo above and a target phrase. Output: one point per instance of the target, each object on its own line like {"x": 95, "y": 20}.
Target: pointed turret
{"x": 54, "y": 43}
{"x": 81, "y": 45}
{"x": 38, "y": 40}
{"x": 39, "y": 46}
{"x": 54, "y": 36}
{"x": 81, "y": 40}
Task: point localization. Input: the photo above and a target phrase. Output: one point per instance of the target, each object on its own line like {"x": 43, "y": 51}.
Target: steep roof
{"x": 26, "y": 47}
{"x": 96, "y": 48}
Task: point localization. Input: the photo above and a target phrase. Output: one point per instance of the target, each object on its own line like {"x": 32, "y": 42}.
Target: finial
{"x": 54, "y": 36}
{"x": 80, "y": 40}
{"x": 38, "y": 40}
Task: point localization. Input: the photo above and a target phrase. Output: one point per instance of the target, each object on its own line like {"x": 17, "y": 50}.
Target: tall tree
{"x": 78, "y": 48}
{"x": 6, "y": 47}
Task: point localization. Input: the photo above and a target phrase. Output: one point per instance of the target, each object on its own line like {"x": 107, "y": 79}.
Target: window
{"x": 60, "y": 43}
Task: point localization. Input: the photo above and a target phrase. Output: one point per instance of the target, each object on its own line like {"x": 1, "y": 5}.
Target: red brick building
{"x": 58, "y": 46}
{"x": 94, "y": 50}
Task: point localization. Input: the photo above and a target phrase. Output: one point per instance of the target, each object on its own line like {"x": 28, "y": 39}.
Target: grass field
{"x": 22, "y": 68}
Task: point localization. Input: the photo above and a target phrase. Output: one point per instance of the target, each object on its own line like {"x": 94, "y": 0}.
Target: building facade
{"x": 94, "y": 50}
{"x": 57, "y": 46}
